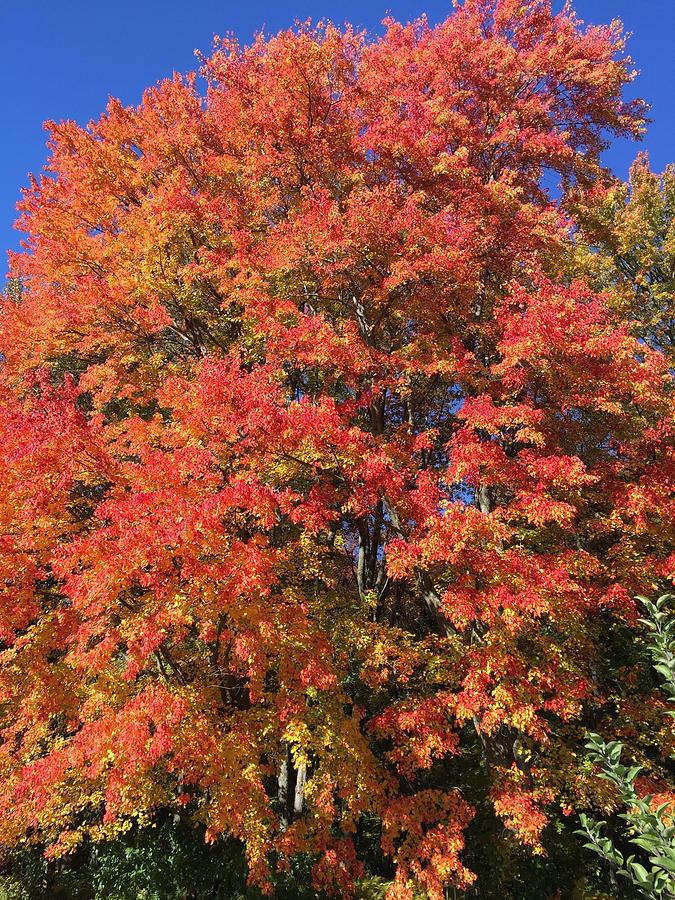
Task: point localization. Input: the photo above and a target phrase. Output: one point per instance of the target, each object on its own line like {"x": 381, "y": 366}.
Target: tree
{"x": 318, "y": 478}
{"x": 628, "y": 244}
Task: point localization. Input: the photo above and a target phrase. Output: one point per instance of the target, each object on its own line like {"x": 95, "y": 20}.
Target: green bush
{"x": 649, "y": 831}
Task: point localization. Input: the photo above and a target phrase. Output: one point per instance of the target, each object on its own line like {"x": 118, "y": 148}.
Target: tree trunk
{"x": 300, "y": 781}
{"x": 284, "y": 790}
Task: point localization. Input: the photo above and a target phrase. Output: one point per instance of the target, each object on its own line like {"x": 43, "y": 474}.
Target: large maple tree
{"x": 317, "y": 467}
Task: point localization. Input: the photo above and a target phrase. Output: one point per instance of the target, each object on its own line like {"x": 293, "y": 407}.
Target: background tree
{"x": 628, "y": 244}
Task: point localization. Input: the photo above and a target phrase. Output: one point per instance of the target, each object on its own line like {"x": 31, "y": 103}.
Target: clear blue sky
{"x": 63, "y": 58}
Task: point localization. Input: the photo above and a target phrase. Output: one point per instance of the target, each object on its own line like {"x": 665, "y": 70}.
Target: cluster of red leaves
{"x": 308, "y": 448}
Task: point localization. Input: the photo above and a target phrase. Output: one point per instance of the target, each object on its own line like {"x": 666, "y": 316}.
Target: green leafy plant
{"x": 652, "y": 830}
{"x": 661, "y": 623}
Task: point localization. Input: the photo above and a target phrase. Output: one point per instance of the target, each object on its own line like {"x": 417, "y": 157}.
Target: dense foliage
{"x": 648, "y": 817}
{"x": 336, "y": 439}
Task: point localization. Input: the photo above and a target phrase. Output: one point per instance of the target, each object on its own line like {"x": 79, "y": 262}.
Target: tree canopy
{"x": 336, "y": 438}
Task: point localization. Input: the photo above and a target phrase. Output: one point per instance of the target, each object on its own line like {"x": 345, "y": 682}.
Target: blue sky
{"x": 62, "y": 59}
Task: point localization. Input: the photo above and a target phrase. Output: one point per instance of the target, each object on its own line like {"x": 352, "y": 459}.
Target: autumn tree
{"x": 319, "y": 472}
{"x": 627, "y": 244}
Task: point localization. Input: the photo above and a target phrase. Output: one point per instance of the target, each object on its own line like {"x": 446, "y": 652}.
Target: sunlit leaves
{"x": 316, "y": 473}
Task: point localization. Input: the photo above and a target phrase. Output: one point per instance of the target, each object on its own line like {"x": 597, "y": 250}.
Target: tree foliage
{"x": 324, "y": 485}
{"x": 628, "y": 245}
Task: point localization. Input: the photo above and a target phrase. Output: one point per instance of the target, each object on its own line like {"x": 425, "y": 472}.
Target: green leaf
{"x": 664, "y": 862}
{"x": 647, "y": 843}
